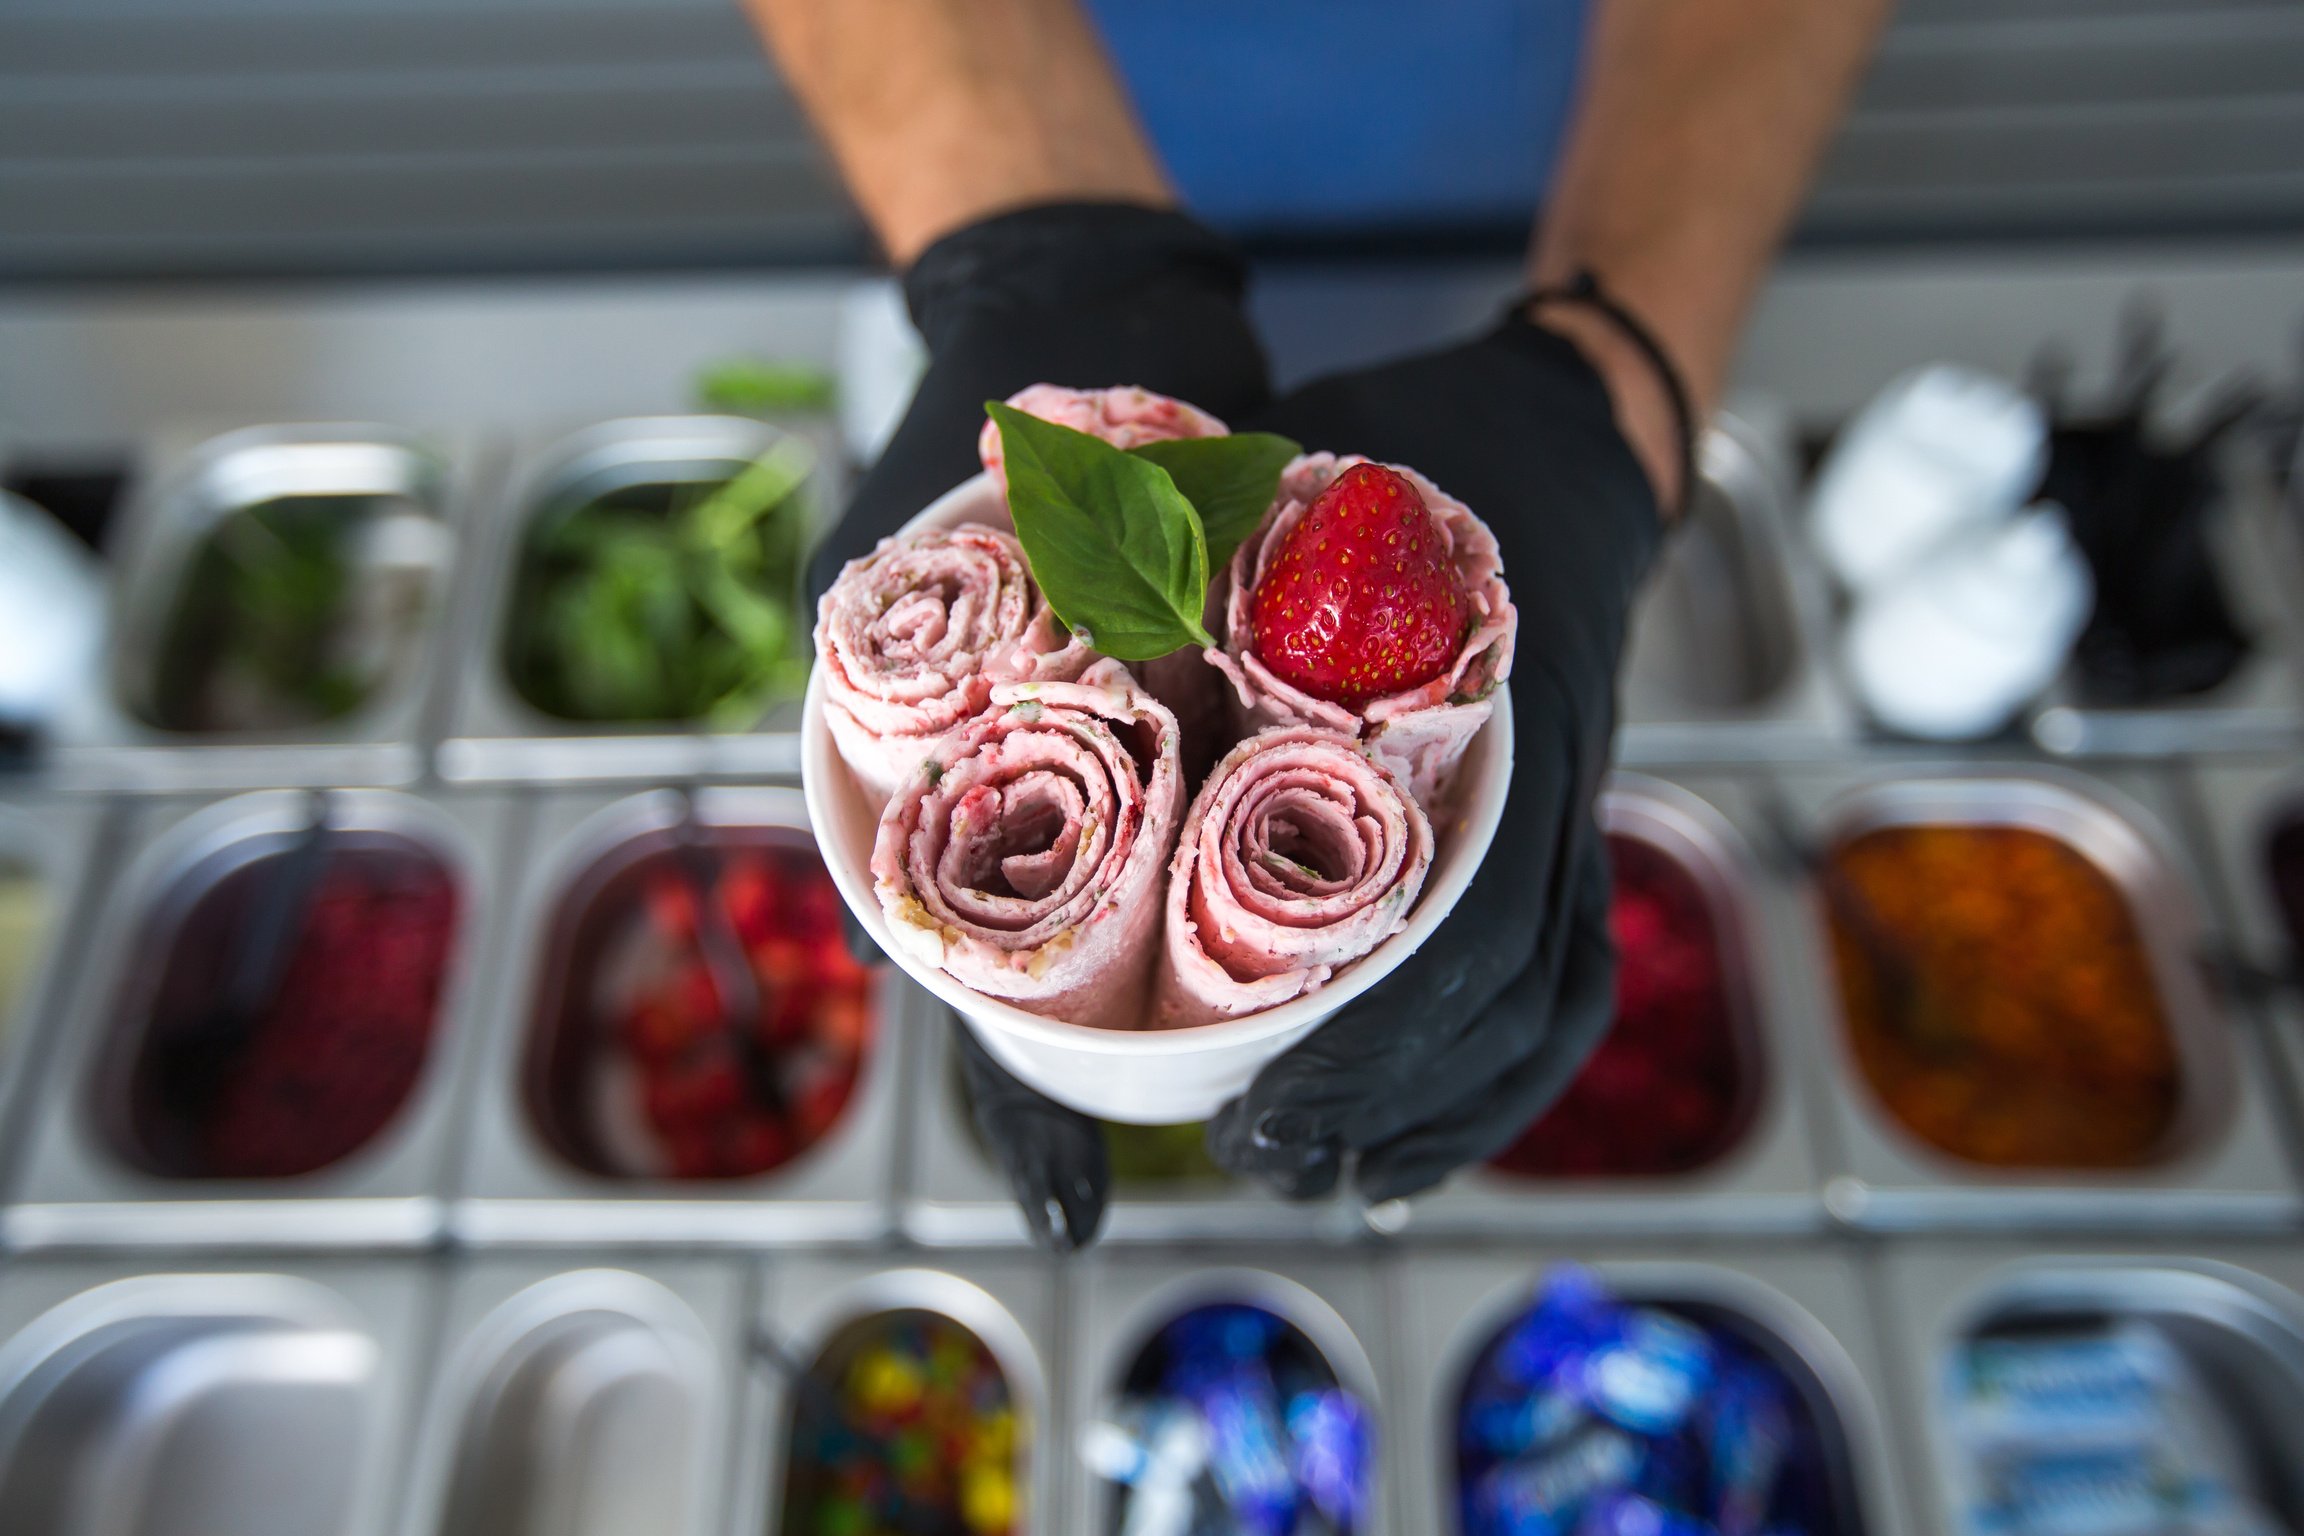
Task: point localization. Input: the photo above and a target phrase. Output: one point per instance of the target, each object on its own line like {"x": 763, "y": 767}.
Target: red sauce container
{"x": 327, "y": 1065}
{"x": 640, "y": 1068}
{"x": 1671, "y": 1086}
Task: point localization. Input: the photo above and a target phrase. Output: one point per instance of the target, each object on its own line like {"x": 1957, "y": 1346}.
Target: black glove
{"x": 1448, "y": 1058}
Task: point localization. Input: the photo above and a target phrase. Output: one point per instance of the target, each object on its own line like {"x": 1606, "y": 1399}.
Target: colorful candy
{"x": 337, "y": 1052}
{"x": 700, "y": 1092}
{"x": 905, "y": 1424}
{"x": 1665, "y": 1092}
{"x": 1588, "y": 1417}
{"x": 1998, "y": 997}
{"x": 1231, "y": 1424}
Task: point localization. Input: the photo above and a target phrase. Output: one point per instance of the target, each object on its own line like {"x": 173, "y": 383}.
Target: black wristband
{"x": 1584, "y": 288}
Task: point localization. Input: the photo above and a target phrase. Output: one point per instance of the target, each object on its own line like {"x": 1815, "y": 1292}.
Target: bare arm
{"x": 940, "y": 114}
{"x": 1696, "y": 133}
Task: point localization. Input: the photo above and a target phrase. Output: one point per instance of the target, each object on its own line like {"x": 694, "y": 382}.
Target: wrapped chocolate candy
{"x": 1589, "y": 1417}
{"x": 1232, "y": 1424}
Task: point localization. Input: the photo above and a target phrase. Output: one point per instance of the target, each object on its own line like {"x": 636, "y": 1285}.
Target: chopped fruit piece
{"x": 1361, "y": 600}
{"x": 712, "y": 1105}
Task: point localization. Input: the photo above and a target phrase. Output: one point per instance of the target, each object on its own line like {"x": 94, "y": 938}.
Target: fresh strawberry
{"x": 1360, "y": 601}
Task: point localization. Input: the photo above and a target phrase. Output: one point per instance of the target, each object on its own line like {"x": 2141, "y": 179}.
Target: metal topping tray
{"x": 1727, "y": 656}
{"x": 2242, "y": 802}
{"x": 810, "y": 1308}
{"x": 2232, "y": 1309}
{"x": 497, "y": 734}
{"x": 2224, "y": 1168}
{"x": 1767, "y": 1178}
{"x": 2256, "y": 547}
{"x": 1121, "y": 1299}
{"x": 516, "y": 1185}
{"x": 410, "y": 494}
{"x": 582, "y": 1402}
{"x": 267, "y": 1403}
{"x": 1803, "y": 1304}
{"x": 81, "y": 1183}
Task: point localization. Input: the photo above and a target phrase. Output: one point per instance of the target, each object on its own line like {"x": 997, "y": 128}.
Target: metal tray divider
{"x": 101, "y": 745}
{"x": 512, "y": 1188}
{"x": 1807, "y": 712}
{"x": 1014, "y": 1302}
{"x": 1809, "y": 1295}
{"x": 73, "y": 1190}
{"x": 1120, "y": 1297}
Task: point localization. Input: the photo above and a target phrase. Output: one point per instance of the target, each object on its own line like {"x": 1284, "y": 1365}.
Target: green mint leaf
{"x": 751, "y": 386}
{"x": 1230, "y": 481}
{"x": 1115, "y": 546}
{"x": 739, "y": 502}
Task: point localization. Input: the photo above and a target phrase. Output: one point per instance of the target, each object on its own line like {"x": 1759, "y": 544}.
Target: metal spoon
{"x": 196, "y": 1059}
{"x": 733, "y": 981}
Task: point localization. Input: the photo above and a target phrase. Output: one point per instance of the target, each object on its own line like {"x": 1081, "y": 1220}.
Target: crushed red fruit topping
{"x": 712, "y": 1104}
{"x": 1664, "y": 1092}
{"x": 1360, "y": 600}
{"x": 331, "y": 1060}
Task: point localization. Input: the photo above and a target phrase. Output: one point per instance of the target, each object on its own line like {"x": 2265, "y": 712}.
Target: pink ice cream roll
{"x": 1299, "y": 856}
{"x": 914, "y": 637}
{"x": 1420, "y": 733}
{"x": 1124, "y": 416}
{"x": 1024, "y": 855}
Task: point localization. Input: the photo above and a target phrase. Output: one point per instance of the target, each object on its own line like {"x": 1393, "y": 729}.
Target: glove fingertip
{"x": 1059, "y": 1180}
{"x": 1381, "y": 1179}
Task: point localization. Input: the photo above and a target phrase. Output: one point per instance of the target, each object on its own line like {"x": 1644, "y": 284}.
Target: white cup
{"x": 1137, "y": 1076}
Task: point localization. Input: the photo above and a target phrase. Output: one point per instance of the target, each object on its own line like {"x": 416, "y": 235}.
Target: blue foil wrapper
{"x": 1588, "y": 1417}
{"x": 1548, "y": 1494}
{"x": 1287, "y": 1451}
{"x": 1332, "y": 1438}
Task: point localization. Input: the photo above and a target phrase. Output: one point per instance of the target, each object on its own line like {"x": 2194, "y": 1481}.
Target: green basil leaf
{"x": 732, "y": 507}
{"x": 1115, "y": 546}
{"x": 1230, "y": 481}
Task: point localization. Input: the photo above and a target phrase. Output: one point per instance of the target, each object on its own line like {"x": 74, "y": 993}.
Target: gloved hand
{"x": 1484, "y": 1026}
{"x": 1449, "y": 1057}
{"x": 1075, "y": 293}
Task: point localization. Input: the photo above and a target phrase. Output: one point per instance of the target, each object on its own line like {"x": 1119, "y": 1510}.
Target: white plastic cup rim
{"x": 1172, "y": 1075}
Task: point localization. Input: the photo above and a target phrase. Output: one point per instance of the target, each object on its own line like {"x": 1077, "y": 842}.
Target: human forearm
{"x": 941, "y": 112}
{"x": 1698, "y": 128}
